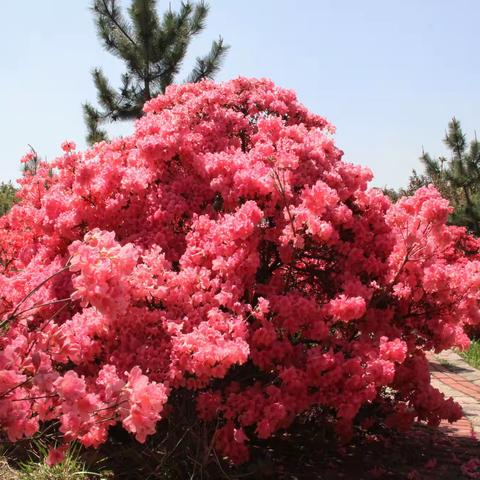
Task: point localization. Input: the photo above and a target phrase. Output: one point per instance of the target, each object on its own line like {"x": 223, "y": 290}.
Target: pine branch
{"x": 152, "y": 50}
{"x": 198, "y": 18}
{"x": 171, "y": 64}
{"x": 432, "y": 167}
{"x": 145, "y": 22}
{"x": 455, "y": 139}
{"x": 474, "y": 153}
{"x": 92, "y": 119}
{"x": 113, "y": 17}
{"x": 207, "y": 66}
{"x": 106, "y": 95}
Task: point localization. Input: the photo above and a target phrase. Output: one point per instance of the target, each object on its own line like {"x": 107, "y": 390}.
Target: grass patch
{"x": 73, "y": 466}
{"x": 472, "y": 355}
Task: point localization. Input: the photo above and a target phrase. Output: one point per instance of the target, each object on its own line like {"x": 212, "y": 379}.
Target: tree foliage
{"x": 456, "y": 177}
{"x": 152, "y": 49}
{"x": 7, "y": 197}
{"x": 8, "y": 193}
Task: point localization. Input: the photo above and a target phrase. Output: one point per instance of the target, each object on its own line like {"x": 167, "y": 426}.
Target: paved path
{"x": 455, "y": 378}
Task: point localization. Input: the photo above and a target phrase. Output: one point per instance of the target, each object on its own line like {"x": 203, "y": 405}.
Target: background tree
{"x": 414, "y": 183}
{"x": 456, "y": 177}
{"x": 152, "y": 49}
{"x": 7, "y": 197}
{"x": 30, "y": 163}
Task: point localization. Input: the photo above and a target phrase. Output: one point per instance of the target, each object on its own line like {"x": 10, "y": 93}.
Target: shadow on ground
{"x": 441, "y": 366}
{"x": 307, "y": 453}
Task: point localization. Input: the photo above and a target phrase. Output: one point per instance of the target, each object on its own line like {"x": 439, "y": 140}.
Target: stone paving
{"x": 455, "y": 378}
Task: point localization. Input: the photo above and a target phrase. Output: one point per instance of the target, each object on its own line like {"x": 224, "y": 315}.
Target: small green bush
{"x": 472, "y": 355}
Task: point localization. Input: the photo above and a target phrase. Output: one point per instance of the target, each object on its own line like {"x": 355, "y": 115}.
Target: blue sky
{"x": 388, "y": 73}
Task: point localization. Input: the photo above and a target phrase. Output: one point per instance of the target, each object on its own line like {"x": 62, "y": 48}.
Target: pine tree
{"x": 152, "y": 49}
{"x": 415, "y": 182}
{"x": 457, "y": 177}
{"x": 7, "y": 197}
{"x": 8, "y": 193}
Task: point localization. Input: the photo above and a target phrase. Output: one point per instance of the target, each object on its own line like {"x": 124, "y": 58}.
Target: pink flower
{"x": 68, "y": 146}
{"x": 471, "y": 469}
{"x": 208, "y": 405}
{"x": 347, "y": 308}
{"x": 56, "y": 455}
{"x": 28, "y": 157}
{"x": 394, "y": 351}
{"x": 71, "y": 387}
{"x": 431, "y": 463}
{"x": 103, "y": 265}
{"x": 145, "y": 403}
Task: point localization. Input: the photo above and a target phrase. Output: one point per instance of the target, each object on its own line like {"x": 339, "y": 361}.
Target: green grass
{"x": 35, "y": 468}
{"x": 472, "y": 355}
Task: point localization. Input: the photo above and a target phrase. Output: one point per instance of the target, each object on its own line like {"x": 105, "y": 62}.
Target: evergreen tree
{"x": 7, "y": 197}
{"x": 152, "y": 49}
{"x": 457, "y": 177}
{"x": 415, "y": 182}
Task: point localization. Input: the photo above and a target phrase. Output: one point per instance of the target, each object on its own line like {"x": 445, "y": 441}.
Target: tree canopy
{"x": 456, "y": 177}
{"x": 7, "y": 197}
{"x": 153, "y": 48}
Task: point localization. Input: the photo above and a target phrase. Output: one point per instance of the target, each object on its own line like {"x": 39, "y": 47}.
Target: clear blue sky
{"x": 389, "y": 74}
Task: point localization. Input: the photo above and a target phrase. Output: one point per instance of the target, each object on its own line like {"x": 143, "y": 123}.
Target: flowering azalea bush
{"x": 226, "y": 250}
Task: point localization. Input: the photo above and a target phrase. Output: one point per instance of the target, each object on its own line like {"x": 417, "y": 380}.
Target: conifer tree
{"x": 30, "y": 163}
{"x": 7, "y": 197}
{"x": 414, "y": 183}
{"x": 152, "y": 48}
{"x": 457, "y": 177}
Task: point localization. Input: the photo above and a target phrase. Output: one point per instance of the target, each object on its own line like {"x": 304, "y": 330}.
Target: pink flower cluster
{"x": 225, "y": 249}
